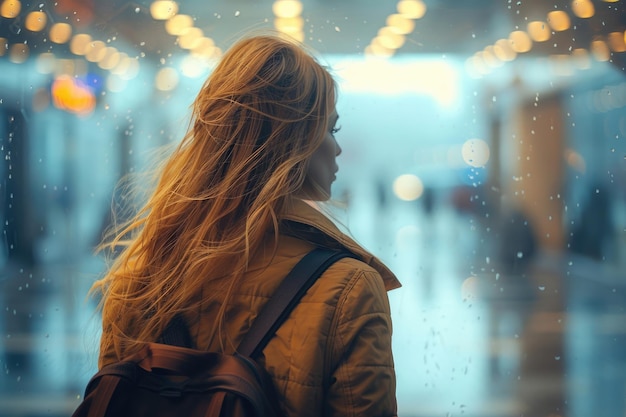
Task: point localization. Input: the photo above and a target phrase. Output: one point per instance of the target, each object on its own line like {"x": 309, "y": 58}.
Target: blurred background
{"x": 484, "y": 160}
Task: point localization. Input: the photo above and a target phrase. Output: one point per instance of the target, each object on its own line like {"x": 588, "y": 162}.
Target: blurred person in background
{"x": 592, "y": 235}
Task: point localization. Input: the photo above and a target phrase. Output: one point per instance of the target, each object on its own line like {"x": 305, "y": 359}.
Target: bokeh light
{"x": 60, "y": 32}
{"x": 10, "y": 8}
{"x": 408, "y": 187}
{"x": 475, "y": 152}
{"x": 166, "y": 79}
{"x": 36, "y": 21}
{"x": 163, "y": 9}
{"x": 287, "y": 8}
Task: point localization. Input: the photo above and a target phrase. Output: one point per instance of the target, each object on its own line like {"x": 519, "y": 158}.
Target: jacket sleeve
{"x": 362, "y": 378}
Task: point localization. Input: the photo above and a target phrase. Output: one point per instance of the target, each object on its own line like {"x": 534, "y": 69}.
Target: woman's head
{"x": 263, "y": 112}
{"x": 261, "y": 132}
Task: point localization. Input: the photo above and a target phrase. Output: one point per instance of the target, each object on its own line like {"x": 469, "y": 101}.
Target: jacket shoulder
{"x": 347, "y": 279}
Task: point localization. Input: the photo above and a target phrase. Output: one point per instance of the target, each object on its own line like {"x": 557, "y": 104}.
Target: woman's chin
{"x": 315, "y": 193}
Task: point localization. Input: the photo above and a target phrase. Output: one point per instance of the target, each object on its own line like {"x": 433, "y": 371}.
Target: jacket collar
{"x": 321, "y": 227}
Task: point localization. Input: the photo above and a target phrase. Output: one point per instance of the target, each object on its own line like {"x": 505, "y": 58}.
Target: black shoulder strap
{"x": 286, "y": 297}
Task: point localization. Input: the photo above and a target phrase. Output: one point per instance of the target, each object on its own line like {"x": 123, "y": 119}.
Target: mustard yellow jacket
{"x": 332, "y": 357}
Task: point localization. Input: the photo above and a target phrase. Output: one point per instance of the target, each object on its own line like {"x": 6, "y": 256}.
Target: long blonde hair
{"x": 255, "y": 123}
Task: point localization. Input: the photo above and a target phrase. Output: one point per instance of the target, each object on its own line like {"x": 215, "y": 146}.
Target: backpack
{"x": 169, "y": 379}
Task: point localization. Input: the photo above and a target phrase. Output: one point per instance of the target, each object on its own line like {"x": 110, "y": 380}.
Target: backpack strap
{"x": 286, "y": 297}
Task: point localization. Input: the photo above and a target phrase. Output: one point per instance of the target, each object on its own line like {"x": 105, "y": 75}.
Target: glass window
{"x": 483, "y": 160}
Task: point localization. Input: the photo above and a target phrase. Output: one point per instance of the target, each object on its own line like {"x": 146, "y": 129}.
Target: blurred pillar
{"x": 18, "y": 225}
{"x": 19, "y": 232}
{"x": 536, "y": 190}
{"x": 538, "y": 184}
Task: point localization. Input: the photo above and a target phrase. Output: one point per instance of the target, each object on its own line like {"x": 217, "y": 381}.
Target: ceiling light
{"x": 110, "y": 59}
{"x": 190, "y": 38}
{"x": 388, "y": 38}
{"x": 378, "y": 50}
{"x": 122, "y": 65}
{"x": 206, "y": 49}
{"x": 489, "y": 58}
{"x": 95, "y": 51}
{"x": 18, "y": 53}
{"x": 79, "y": 43}
{"x": 520, "y": 41}
{"x": 166, "y": 79}
{"x": 60, "y": 32}
{"x": 408, "y": 187}
{"x": 559, "y": 20}
{"x": 163, "y": 9}
{"x": 503, "y": 50}
{"x": 616, "y": 41}
{"x": 10, "y": 8}
{"x": 538, "y": 31}
{"x": 128, "y": 68}
{"x": 475, "y": 152}
{"x": 287, "y": 8}
{"x": 583, "y": 8}
{"x": 36, "y": 21}
{"x": 400, "y": 24}
{"x": 178, "y": 24}
{"x": 413, "y": 9}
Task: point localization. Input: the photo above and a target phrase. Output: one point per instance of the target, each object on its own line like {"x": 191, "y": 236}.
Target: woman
{"x": 227, "y": 221}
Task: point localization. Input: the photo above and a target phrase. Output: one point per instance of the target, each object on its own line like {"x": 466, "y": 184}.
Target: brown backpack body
{"x": 164, "y": 379}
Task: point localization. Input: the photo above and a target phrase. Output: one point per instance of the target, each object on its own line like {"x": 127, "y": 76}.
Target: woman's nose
{"x": 337, "y": 148}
